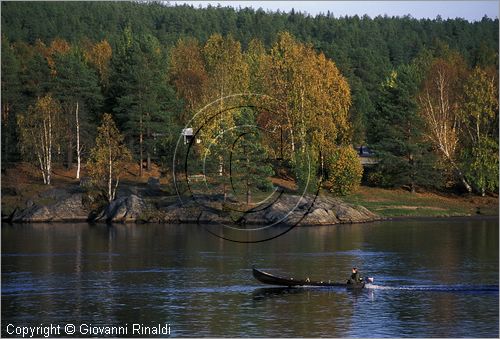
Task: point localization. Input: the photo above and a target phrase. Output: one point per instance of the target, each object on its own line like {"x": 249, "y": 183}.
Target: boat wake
{"x": 438, "y": 288}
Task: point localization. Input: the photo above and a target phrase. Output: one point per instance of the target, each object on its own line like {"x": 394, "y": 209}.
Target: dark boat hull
{"x": 270, "y": 279}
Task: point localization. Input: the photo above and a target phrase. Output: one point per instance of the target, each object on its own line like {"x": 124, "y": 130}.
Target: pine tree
{"x": 76, "y": 87}
{"x": 11, "y": 98}
{"x": 143, "y": 96}
{"x": 405, "y": 157}
{"x": 250, "y": 167}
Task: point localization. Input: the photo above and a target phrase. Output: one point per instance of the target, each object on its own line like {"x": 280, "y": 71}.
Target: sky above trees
{"x": 469, "y": 10}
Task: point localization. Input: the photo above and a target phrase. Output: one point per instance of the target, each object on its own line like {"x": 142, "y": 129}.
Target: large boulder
{"x": 68, "y": 208}
{"x": 310, "y": 210}
{"x": 55, "y": 194}
{"x": 288, "y": 209}
{"x": 125, "y": 209}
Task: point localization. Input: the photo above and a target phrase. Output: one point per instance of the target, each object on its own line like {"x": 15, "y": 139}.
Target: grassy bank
{"x": 23, "y": 183}
{"x": 398, "y": 202}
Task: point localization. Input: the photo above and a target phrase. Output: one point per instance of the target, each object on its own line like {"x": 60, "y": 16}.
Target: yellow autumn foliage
{"x": 343, "y": 171}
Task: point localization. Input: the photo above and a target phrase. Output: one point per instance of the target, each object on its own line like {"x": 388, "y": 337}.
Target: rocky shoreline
{"x": 66, "y": 205}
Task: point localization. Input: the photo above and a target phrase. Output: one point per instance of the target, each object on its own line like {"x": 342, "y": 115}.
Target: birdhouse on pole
{"x": 187, "y": 133}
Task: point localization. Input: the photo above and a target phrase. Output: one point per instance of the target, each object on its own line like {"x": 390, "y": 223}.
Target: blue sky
{"x": 470, "y": 10}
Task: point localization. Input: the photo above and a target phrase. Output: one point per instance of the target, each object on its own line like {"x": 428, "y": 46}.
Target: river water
{"x": 433, "y": 278}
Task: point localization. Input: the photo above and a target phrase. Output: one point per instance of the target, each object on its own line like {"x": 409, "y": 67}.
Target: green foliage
{"x": 76, "y": 84}
{"x": 75, "y": 81}
{"x": 137, "y": 84}
{"x": 307, "y": 173}
{"x": 11, "y": 87}
{"x": 480, "y": 164}
{"x": 40, "y": 134}
{"x": 395, "y": 135}
{"x": 479, "y": 153}
{"x": 343, "y": 171}
{"x": 250, "y": 166}
{"x": 108, "y": 158}
{"x": 143, "y": 98}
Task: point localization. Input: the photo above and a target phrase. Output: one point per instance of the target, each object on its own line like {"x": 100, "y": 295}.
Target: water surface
{"x": 433, "y": 278}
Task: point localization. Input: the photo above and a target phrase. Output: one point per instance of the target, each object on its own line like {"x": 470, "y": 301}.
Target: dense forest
{"x": 422, "y": 94}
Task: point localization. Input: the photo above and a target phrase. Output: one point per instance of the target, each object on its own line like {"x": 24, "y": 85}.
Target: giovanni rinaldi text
{"x": 52, "y": 330}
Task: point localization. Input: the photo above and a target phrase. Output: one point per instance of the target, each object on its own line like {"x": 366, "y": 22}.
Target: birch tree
{"x": 99, "y": 55}
{"x": 311, "y": 101}
{"x": 479, "y": 123}
{"x": 40, "y": 133}
{"x": 108, "y": 158}
{"x": 78, "y": 146}
{"x": 188, "y": 75}
{"x": 227, "y": 74}
{"x": 310, "y": 93}
{"x": 439, "y": 105}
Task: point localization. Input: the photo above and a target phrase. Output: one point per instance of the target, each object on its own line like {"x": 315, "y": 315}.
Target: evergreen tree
{"x": 250, "y": 168}
{"x": 11, "y": 88}
{"x": 142, "y": 93}
{"x": 395, "y": 135}
{"x": 36, "y": 78}
{"x": 76, "y": 87}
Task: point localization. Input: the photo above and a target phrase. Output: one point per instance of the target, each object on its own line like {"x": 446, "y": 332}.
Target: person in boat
{"x": 355, "y": 278}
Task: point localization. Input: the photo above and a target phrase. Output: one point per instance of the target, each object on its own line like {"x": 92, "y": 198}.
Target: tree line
{"x": 436, "y": 124}
{"x": 421, "y": 93}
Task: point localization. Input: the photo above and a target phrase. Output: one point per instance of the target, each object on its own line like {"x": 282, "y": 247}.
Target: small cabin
{"x": 365, "y": 151}
{"x": 366, "y": 155}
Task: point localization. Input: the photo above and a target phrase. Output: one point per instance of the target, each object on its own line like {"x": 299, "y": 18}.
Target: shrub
{"x": 343, "y": 171}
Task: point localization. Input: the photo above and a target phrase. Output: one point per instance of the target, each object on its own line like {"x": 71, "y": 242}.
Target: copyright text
{"x": 52, "y": 330}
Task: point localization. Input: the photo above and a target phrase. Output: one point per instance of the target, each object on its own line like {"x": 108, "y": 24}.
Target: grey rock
{"x": 125, "y": 209}
{"x": 55, "y": 193}
{"x": 25, "y": 214}
{"x": 66, "y": 209}
{"x": 85, "y": 182}
{"x": 320, "y": 216}
{"x": 154, "y": 182}
{"x": 71, "y": 208}
{"x": 288, "y": 209}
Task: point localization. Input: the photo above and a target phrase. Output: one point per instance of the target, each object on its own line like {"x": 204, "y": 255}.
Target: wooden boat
{"x": 270, "y": 279}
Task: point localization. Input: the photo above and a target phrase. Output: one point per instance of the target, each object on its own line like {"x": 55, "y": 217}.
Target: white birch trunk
{"x": 78, "y": 149}
{"x": 140, "y": 145}
{"x": 110, "y": 176}
{"x": 49, "y": 161}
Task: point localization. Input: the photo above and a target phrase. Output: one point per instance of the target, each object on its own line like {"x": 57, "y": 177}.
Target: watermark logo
{"x": 225, "y": 158}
